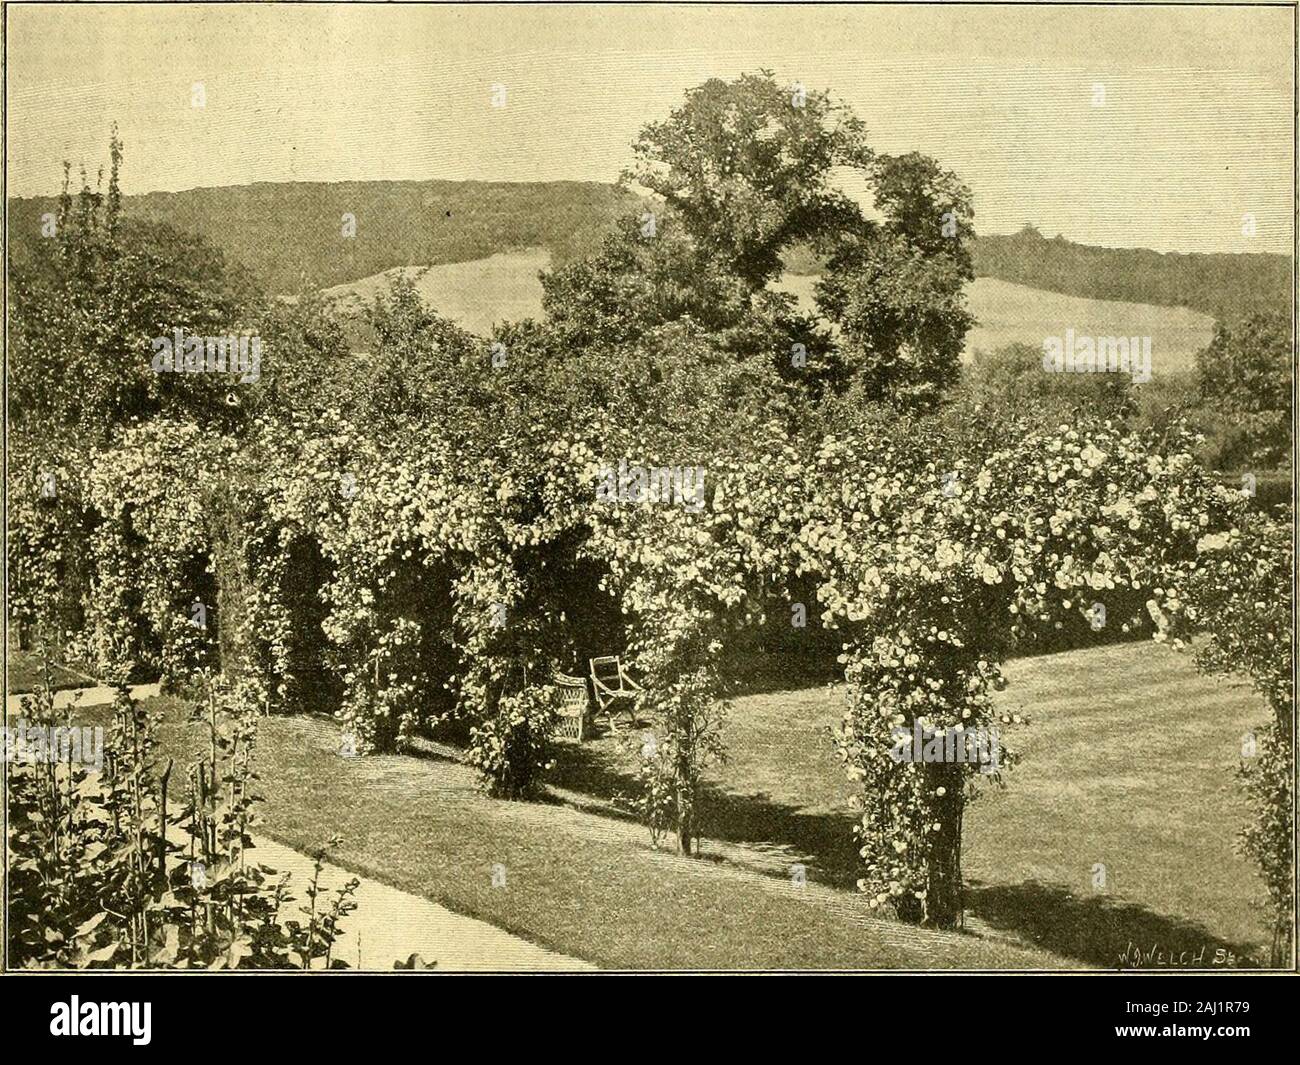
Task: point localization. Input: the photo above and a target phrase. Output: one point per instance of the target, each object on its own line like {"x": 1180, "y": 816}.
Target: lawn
{"x": 24, "y": 672}
{"x": 582, "y": 881}
{"x": 1129, "y": 762}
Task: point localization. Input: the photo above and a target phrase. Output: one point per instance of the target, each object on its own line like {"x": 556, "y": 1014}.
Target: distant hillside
{"x": 290, "y": 235}
{"x": 1220, "y": 285}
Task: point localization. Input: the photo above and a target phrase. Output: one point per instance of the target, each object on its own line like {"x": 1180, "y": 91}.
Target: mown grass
{"x": 25, "y": 671}
{"x": 585, "y": 883}
{"x": 1129, "y": 762}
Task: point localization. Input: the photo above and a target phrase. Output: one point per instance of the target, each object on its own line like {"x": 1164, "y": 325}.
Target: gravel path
{"x": 95, "y": 696}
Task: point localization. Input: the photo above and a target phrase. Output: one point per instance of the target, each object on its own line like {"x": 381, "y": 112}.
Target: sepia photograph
{"x": 670, "y": 488}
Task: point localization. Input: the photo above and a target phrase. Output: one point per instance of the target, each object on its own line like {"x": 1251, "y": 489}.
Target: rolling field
{"x": 1007, "y": 313}
{"x": 504, "y": 287}
{"x": 476, "y": 295}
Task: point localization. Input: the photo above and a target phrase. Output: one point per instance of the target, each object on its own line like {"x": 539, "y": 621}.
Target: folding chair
{"x": 613, "y": 687}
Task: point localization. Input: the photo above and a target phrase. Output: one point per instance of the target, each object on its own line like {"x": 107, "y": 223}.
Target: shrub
{"x": 510, "y": 746}
{"x": 1238, "y": 592}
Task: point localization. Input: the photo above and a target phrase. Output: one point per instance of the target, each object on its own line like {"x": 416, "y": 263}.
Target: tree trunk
{"x": 943, "y": 902}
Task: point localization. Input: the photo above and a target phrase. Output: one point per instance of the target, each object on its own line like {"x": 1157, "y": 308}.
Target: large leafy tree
{"x": 742, "y": 174}
{"x": 421, "y": 366}
{"x": 611, "y": 302}
{"x": 748, "y": 165}
{"x": 1245, "y": 375}
{"x": 895, "y": 286}
{"x": 311, "y": 362}
{"x": 648, "y": 272}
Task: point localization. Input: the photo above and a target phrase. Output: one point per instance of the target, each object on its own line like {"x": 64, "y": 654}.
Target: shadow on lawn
{"x": 766, "y": 673}
{"x": 1102, "y": 930}
{"x": 589, "y": 771}
{"x": 779, "y": 833}
{"x": 824, "y": 842}
{"x": 1099, "y": 930}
